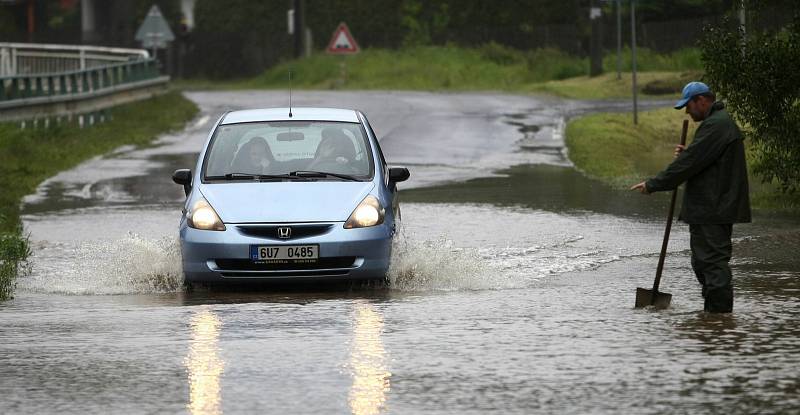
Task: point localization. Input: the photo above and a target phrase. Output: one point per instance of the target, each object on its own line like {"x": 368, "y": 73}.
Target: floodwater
{"x": 511, "y": 289}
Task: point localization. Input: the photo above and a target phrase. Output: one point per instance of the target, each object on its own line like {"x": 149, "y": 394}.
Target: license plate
{"x": 284, "y": 253}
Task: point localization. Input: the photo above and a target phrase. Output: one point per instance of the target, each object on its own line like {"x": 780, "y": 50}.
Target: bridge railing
{"x": 76, "y": 81}
{"x": 34, "y": 58}
{"x": 52, "y": 81}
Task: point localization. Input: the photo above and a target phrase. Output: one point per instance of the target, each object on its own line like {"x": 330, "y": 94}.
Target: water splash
{"x": 440, "y": 265}
{"x": 131, "y": 265}
{"x": 472, "y": 247}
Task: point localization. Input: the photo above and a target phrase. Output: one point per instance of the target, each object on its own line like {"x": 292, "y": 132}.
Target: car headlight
{"x": 202, "y": 216}
{"x": 368, "y": 213}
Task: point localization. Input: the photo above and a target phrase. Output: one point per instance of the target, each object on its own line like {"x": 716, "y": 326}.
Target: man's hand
{"x": 679, "y": 149}
{"x": 641, "y": 187}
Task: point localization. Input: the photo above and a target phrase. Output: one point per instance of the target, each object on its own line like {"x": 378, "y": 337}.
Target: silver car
{"x": 280, "y": 193}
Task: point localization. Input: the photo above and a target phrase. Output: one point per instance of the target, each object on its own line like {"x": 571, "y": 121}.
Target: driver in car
{"x": 335, "y": 150}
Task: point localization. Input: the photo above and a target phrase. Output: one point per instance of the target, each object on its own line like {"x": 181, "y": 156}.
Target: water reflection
{"x": 368, "y": 362}
{"x": 551, "y": 188}
{"x": 714, "y": 333}
{"x": 204, "y": 365}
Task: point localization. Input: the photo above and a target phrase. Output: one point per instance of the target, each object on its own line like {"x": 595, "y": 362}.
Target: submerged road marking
{"x": 201, "y": 121}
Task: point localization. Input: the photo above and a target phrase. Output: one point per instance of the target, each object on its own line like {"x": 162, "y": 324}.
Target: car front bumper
{"x": 216, "y": 256}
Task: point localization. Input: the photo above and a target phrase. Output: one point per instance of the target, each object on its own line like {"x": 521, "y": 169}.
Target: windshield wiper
{"x": 259, "y": 177}
{"x": 311, "y": 173}
{"x": 239, "y": 176}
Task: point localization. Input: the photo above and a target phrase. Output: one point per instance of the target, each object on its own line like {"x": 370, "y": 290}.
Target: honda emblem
{"x": 284, "y": 232}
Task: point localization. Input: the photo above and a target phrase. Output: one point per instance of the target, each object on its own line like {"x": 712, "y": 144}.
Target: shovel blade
{"x": 658, "y": 300}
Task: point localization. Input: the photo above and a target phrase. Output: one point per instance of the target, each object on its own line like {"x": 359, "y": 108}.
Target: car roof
{"x": 298, "y": 114}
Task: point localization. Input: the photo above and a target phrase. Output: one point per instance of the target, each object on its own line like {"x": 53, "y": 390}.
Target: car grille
{"x": 321, "y": 264}
{"x": 297, "y": 231}
{"x": 284, "y": 274}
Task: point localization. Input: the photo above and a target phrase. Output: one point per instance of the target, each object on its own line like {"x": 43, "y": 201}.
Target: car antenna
{"x": 290, "y": 93}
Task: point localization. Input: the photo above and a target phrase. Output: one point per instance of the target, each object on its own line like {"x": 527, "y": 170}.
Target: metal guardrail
{"x": 34, "y": 58}
{"x": 76, "y": 82}
{"x": 40, "y": 82}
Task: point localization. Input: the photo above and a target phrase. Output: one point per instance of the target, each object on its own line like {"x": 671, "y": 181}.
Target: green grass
{"x": 422, "y": 68}
{"x": 687, "y": 59}
{"x": 29, "y": 156}
{"x": 607, "y": 86}
{"x": 13, "y": 251}
{"x": 610, "y": 148}
{"x": 488, "y": 67}
{"x": 657, "y": 75}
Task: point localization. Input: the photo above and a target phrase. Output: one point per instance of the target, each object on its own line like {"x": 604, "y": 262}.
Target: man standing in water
{"x": 716, "y": 196}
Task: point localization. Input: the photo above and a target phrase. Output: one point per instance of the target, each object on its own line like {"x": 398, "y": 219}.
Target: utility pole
{"x": 299, "y": 25}
{"x": 743, "y": 26}
{"x": 619, "y": 39}
{"x": 743, "y": 18}
{"x": 31, "y": 20}
{"x": 596, "y": 66}
{"x": 633, "y": 63}
{"x": 88, "y": 26}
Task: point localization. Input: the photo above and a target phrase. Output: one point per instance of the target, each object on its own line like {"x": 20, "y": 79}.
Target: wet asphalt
{"x": 511, "y": 288}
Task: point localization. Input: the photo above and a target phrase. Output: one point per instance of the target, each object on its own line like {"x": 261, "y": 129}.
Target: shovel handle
{"x": 664, "y": 244}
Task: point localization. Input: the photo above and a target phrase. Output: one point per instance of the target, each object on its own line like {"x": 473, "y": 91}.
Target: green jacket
{"x": 715, "y": 171}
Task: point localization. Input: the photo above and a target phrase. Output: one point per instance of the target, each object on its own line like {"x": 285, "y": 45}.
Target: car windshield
{"x": 295, "y": 149}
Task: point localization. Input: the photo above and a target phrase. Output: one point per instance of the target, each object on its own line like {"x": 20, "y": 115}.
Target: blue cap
{"x": 691, "y": 90}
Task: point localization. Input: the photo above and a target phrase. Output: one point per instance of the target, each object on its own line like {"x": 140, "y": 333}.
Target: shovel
{"x": 645, "y": 297}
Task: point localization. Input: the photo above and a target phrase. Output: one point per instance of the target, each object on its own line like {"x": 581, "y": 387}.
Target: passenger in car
{"x": 335, "y": 148}
{"x": 254, "y": 157}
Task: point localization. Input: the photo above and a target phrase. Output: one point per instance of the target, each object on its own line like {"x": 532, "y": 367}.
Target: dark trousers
{"x": 711, "y": 252}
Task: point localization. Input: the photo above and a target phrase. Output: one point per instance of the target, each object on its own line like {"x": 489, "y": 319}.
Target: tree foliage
{"x": 759, "y": 77}
{"x": 239, "y": 37}
{"x": 375, "y": 23}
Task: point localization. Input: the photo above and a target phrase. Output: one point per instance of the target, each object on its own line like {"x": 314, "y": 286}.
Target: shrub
{"x": 13, "y": 251}
{"x": 759, "y": 77}
{"x": 670, "y": 85}
{"x": 548, "y": 64}
{"x": 501, "y": 55}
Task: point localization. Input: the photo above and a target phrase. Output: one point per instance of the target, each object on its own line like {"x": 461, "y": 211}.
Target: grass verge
{"x": 610, "y": 148}
{"x": 607, "y": 86}
{"x": 488, "y": 67}
{"x": 13, "y": 251}
{"x": 29, "y": 156}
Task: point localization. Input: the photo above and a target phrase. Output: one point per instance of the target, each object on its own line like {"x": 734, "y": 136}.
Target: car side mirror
{"x": 397, "y": 174}
{"x": 183, "y": 177}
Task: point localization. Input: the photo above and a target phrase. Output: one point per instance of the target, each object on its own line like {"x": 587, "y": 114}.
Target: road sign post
{"x": 342, "y": 43}
{"x": 154, "y": 33}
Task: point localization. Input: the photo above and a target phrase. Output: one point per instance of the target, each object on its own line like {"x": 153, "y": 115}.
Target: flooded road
{"x": 511, "y": 289}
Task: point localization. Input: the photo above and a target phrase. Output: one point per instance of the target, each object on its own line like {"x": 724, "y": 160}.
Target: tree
{"x": 759, "y": 78}
{"x": 239, "y": 37}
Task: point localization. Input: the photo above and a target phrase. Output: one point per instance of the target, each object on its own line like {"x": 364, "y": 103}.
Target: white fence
{"x": 43, "y": 82}
{"x": 33, "y": 59}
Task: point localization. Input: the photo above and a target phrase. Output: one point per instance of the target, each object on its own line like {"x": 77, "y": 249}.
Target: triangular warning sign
{"x": 342, "y": 41}
{"x": 154, "y": 31}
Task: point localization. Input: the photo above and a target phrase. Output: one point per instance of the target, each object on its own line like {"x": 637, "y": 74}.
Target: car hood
{"x": 323, "y": 201}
